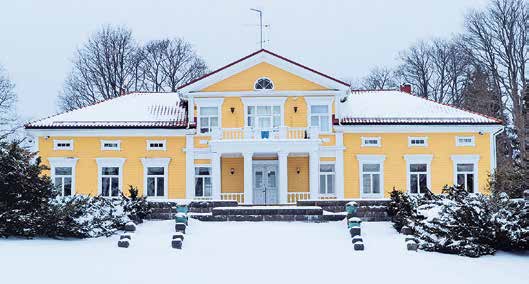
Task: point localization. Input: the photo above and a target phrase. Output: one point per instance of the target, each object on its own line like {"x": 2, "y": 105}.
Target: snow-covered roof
{"x": 397, "y": 107}
{"x": 159, "y": 110}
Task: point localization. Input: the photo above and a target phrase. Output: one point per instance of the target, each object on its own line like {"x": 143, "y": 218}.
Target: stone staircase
{"x": 306, "y": 210}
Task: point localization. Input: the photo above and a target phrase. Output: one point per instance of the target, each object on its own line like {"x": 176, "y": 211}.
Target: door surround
{"x": 266, "y": 199}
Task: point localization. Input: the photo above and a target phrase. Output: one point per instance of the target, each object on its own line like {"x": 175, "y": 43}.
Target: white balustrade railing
{"x": 239, "y": 197}
{"x": 293, "y": 197}
{"x": 278, "y": 133}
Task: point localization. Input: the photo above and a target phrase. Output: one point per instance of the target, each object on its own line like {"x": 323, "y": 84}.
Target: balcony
{"x": 262, "y": 134}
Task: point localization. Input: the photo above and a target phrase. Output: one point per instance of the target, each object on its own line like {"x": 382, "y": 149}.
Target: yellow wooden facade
{"x": 394, "y": 145}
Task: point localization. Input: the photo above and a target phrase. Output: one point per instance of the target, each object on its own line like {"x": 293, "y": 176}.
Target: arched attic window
{"x": 263, "y": 84}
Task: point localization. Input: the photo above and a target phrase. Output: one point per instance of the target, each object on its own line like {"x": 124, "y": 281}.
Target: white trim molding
{"x": 371, "y": 159}
{"x": 110, "y": 162}
{"x": 106, "y": 132}
{"x": 320, "y": 101}
{"x": 419, "y": 159}
{"x": 417, "y": 138}
{"x": 471, "y": 141}
{"x": 63, "y": 145}
{"x": 105, "y": 147}
{"x": 466, "y": 159}
{"x": 364, "y": 139}
{"x": 151, "y": 148}
{"x": 156, "y": 162}
{"x": 63, "y": 162}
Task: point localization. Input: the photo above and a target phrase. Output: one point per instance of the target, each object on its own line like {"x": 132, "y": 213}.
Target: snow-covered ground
{"x": 262, "y": 252}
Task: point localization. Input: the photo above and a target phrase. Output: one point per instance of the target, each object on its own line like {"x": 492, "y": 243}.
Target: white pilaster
{"x": 338, "y": 168}
{"x": 190, "y": 167}
{"x": 216, "y": 175}
{"x": 283, "y": 177}
{"x": 314, "y": 171}
{"x": 248, "y": 177}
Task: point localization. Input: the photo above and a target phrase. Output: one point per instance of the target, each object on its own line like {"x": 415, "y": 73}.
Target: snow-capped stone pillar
{"x": 314, "y": 172}
{"x": 338, "y": 168}
{"x": 248, "y": 177}
{"x": 190, "y": 165}
{"x": 283, "y": 177}
{"x": 216, "y": 175}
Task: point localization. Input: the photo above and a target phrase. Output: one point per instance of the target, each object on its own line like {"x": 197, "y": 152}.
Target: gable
{"x": 282, "y": 79}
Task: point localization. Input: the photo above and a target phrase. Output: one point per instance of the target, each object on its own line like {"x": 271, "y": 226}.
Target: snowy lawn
{"x": 262, "y": 252}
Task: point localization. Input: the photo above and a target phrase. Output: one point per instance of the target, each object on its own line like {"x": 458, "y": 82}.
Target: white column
{"x": 283, "y": 177}
{"x": 248, "y": 177}
{"x": 216, "y": 175}
{"x": 314, "y": 171}
{"x": 190, "y": 167}
{"x": 338, "y": 167}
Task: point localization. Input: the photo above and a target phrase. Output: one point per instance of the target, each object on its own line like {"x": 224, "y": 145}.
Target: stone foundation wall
{"x": 368, "y": 210}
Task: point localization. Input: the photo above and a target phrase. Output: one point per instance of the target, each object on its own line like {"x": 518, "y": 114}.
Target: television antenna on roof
{"x": 261, "y": 41}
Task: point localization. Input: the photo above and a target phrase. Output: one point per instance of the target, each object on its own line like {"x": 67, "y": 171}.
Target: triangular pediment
{"x": 286, "y": 75}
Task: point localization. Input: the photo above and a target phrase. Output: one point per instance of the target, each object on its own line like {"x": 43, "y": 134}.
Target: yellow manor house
{"x": 267, "y": 130}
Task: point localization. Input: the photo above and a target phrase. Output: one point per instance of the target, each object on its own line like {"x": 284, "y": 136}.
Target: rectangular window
{"x": 371, "y": 179}
{"x": 110, "y": 145}
{"x": 63, "y": 180}
{"x": 319, "y": 117}
{"x": 327, "y": 175}
{"x": 62, "y": 144}
{"x": 462, "y": 141}
{"x": 110, "y": 181}
{"x": 156, "y": 145}
{"x": 208, "y": 119}
{"x": 371, "y": 142}
{"x": 418, "y": 178}
{"x": 465, "y": 176}
{"x": 417, "y": 141}
{"x": 264, "y": 117}
{"x": 203, "y": 187}
{"x": 156, "y": 181}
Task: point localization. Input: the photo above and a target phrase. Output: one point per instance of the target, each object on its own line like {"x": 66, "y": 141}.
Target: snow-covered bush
{"x": 30, "y": 205}
{"x": 463, "y": 223}
{"x": 136, "y": 208}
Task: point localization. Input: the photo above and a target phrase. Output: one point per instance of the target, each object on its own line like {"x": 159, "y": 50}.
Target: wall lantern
{"x": 298, "y": 170}
{"x": 232, "y": 171}
{"x": 295, "y": 109}
{"x": 232, "y": 109}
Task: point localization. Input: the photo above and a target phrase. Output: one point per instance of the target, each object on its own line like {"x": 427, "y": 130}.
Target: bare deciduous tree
{"x": 111, "y": 63}
{"x": 498, "y": 38}
{"x": 417, "y": 68}
{"x": 379, "y": 78}
{"x": 7, "y": 102}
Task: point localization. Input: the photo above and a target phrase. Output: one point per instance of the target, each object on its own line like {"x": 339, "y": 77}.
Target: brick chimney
{"x": 405, "y": 88}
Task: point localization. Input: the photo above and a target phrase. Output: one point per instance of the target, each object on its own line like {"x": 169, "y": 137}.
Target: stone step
{"x": 261, "y": 218}
{"x": 268, "y": 210}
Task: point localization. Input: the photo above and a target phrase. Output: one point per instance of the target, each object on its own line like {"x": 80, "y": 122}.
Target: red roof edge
{"x": 271, "y": 53}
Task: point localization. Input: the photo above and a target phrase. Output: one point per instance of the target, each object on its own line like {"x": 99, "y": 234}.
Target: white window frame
{"x": 270, "y": 101}
{"x": 209, "y": 102}
{"x": 149, "y": 142}
{"x": 320, "y": 101}
{"x": 106, "y": 148}
{"x": 263, "y": 90}
{"x": 202, "y": 176}
{"x": 109, "y": 162}
{"x": 419, "y": 159}
{"x": 364, "y": 139}
{"x": 156, "y": 163}
{"x": 464, "y": 144}
{"x": 62, "y": 148}
{"x": 326, "y": 194}
{"x": 410, "y": 138}
{"x": 466, "y": 159}
{"x": 371, "y": 159}
{"x": 66, "y": 163}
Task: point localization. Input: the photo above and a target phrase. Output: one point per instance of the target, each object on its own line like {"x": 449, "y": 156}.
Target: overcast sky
{"x": 342, "y": 38}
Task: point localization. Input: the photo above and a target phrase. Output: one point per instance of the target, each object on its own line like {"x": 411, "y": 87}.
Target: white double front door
{"x": 265, "y": 182}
